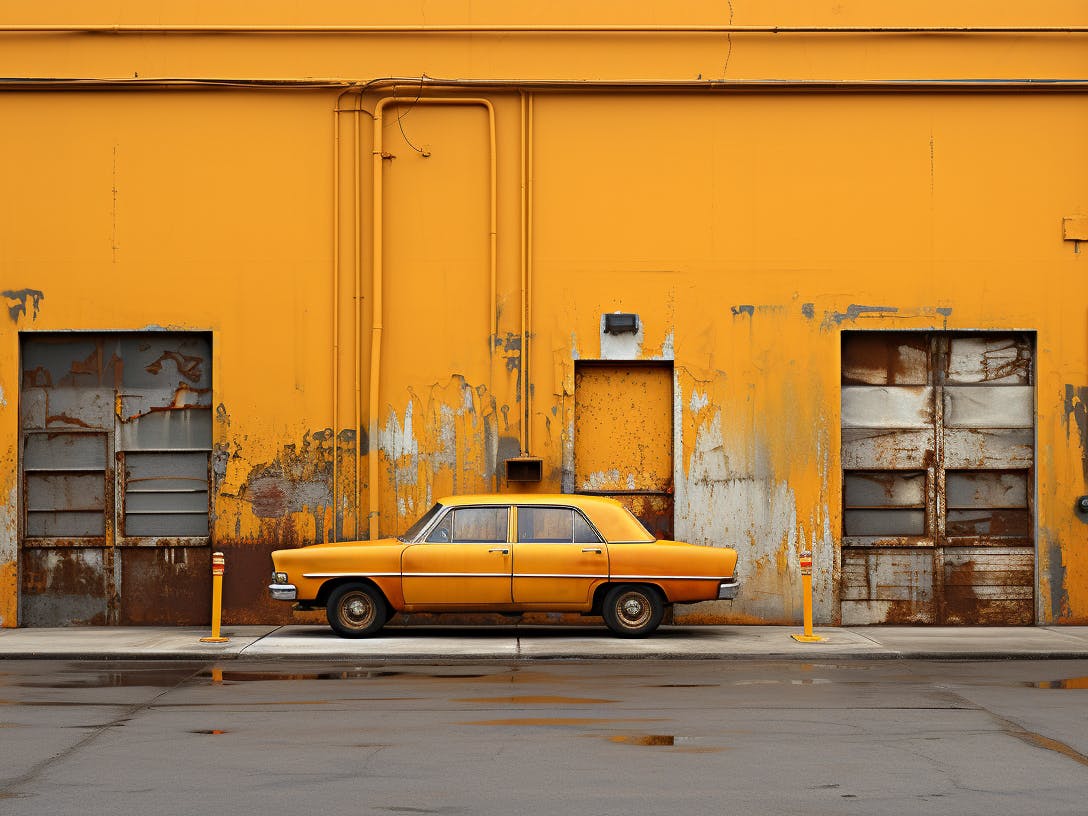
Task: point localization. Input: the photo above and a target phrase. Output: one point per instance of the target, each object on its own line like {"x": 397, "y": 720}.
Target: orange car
{"x": 507, "y": 553}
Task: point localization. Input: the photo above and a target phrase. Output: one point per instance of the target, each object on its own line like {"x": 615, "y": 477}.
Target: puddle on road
{"x": 560, "y": 721}
{"x": 218, "y": 676}
{"x": 687, "y": 745}
{"x": 151, "y": 678}
{"x": 644, "y": 739}
{"x": 534, "y": 700}
{"x": 1067, "y": 683}
{"x": 683, "y": 685}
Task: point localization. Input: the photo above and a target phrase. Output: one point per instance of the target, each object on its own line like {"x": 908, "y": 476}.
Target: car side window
{"x": 486, "y": 525}
{"x": 545, "y": 525}
{"x": 443, "y": 531}
{"x": 583, "y": 533}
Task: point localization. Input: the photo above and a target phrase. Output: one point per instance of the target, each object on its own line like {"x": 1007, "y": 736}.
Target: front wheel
{"x": 633, "y": 611}
{"x": 356, "y": 610}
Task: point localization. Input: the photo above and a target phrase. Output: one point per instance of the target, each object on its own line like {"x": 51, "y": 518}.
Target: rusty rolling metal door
{"x": 116, "y": 437}
{"x": 623, "y": 437}
{"x": 938, "y": 468}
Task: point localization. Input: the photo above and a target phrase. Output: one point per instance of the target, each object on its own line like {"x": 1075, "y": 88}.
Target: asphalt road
{"x": 605, "y": 737}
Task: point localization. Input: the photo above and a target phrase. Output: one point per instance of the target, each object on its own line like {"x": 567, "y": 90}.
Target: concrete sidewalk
{"x": 508, "y": 643}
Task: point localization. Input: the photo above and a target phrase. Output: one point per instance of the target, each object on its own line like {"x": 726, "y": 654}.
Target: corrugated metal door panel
{"x": 70, "y": 585}
{"x": 115, "y": 478}
{"x": 887, "y": 585}
{"x": 955, "y": 412}
{"x": 623, "y": 438}
{"x": 989, "y": 585}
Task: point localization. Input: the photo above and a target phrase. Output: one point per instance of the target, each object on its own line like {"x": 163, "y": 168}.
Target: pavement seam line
{"x": 1033, "y": 738}
{"x": 257, "y": 640}
{"x": 12, "y": 785}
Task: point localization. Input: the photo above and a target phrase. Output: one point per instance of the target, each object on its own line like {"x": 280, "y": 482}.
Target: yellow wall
{"x": 745, "y": 230}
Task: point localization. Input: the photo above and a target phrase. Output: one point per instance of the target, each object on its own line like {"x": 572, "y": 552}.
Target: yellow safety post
{"x": 806, "y": 590}
{"x": 219, "y": 564}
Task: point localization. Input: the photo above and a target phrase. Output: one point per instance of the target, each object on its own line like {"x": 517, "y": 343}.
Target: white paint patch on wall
{"x": 666, "y": 352}
{"x": 622, "y": 346}
{"x": 749, "y": 509}
{"x": 3, "y": 399}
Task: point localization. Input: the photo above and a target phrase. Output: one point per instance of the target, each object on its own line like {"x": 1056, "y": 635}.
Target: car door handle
{"x": 596, "y": 550}
{"x": 503, "y": 550}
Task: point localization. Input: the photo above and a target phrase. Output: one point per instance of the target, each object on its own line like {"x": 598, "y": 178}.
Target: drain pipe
{"x": 378, "y": 156}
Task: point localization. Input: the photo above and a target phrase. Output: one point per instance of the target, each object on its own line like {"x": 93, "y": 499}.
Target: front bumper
{"x": 283, "y": 592}
{"x": 728, "y": 589}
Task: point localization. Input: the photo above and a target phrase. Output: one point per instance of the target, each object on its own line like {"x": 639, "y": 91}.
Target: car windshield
{"x": 413, "y": 531}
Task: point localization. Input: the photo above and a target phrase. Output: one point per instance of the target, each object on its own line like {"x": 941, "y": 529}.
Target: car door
{"x": 465, "y": 560}
{"x": 558, "y": 557}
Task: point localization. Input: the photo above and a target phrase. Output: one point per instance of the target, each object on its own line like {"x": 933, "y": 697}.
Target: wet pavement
{"x": 517, "y": 642}
{"x": 584, "y": 737}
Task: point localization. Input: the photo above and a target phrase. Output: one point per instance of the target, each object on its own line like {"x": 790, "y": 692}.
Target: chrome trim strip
{"x": 558, "y": 575}
{"x": 455, "y": 575}
{"x": 668, "y": 577}
{"x": 351, "y": 575}
{"x": 515, "y": 575}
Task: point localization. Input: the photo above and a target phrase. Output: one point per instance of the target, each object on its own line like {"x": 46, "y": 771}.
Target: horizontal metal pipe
{"x": 996, "y": 84}
{"x": 529, "y": 29}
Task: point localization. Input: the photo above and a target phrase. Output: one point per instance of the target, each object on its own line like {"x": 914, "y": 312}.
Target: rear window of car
{"x": 554, "y": 525}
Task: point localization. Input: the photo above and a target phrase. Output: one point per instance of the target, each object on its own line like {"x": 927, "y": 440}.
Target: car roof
{"x": 609, "y": 516}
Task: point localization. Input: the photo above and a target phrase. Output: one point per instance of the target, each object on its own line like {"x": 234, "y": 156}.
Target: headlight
{"x": 279, "y": 577}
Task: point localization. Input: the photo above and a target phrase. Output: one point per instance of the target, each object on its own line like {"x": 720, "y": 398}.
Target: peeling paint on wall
{"x": 447, "y": 443}
{"x": 20, "y": 299}
{"x": 1076, "y": 420}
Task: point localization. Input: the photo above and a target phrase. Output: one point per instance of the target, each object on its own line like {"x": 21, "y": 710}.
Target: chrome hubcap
{"x": 357, "y": 610}
{"x": 633, "y": 610}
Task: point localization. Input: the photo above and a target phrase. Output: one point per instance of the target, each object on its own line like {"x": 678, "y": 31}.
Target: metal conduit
{"x": 528, "y": 29}
{"x": 994, "y": 84}
{"x": 377, "y": 269}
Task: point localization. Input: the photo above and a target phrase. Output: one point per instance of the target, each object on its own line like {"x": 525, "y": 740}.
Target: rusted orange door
{"x": 623, "y": 437}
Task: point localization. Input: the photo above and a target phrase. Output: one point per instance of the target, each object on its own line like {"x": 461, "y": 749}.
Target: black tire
{"x": 356, "y": 610}
{"x": 633, "y": 611}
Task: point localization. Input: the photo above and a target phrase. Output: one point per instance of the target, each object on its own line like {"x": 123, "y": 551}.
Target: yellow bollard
{"x": 806, "y": 590}
{"x": 218, "y": 568}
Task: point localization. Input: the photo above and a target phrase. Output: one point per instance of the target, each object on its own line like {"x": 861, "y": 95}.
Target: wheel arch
{"x": 604, "y": 587}
{"x": 332, "y": 584}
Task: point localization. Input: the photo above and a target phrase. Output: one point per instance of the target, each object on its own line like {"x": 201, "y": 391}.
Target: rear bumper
{"x": 283, "y": 592}
{"x": 728, "y": 589}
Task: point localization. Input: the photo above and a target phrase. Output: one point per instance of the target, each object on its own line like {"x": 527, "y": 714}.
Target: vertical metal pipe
{"x": 335, "y": 312}
{"x": 375, "y": 318}
{"x": 527, "y": 316}
{"x": 524, "y": 248}
{"x": 357, "y": 304}
{"x": 377, "y": 272}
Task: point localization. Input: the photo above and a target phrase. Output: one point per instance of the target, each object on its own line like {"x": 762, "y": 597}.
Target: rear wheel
{"x": 356, "y": 610}
{"x": 633, "y": 611}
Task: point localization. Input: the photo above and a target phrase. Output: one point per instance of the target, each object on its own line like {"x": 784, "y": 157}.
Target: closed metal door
{"x": 114, "y": 460}
{"x": 623, "y": 437}
{"x": 938, "y": 461}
